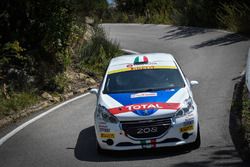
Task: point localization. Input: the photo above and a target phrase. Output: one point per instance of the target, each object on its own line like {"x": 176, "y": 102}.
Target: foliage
{"x": 93, "y": 8}
{"x": 235, "y": 17}
{"x": 58, "y": 83}
{"x": 13, "y": 54}
{"x": 18, "y": 101}
{"x": 230, "y": 14}
{"x": 38, "y": 39}
{"x": 95, "y": 55}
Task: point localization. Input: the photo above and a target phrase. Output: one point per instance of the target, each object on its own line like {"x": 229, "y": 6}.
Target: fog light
{"x": 110, "y": 142}
{"x": 185, "y": 135}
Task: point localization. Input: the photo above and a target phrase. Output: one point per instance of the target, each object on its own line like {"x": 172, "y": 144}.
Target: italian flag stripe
{"x": 143, "y": 142}
{"x": 137, "y": 60}
{"x": 153, "y": 143}
{"x": 140, "y": 59}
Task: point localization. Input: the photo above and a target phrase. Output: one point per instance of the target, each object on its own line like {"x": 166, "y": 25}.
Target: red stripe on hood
{"x": 144, "y": 106}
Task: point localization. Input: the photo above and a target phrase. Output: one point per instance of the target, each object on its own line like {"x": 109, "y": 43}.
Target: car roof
{"x": 152, "y": 60}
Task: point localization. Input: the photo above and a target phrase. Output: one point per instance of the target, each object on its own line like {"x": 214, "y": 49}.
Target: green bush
{"x": 58, "y": 83}
{"x": 18, "y": 101}
{"x": 235, "y": 17}
{"x": 96, "y": 54}
{"x": 230, "y": 14}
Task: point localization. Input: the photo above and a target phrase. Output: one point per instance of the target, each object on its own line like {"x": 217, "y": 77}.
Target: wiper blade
{"x": 153, "y": 89}
{"x": 140, "y": 90}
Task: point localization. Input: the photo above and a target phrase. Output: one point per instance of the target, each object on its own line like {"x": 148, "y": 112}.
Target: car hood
{"x": 144, "y": 105}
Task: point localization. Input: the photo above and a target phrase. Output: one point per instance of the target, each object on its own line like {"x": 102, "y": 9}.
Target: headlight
{"x": 186, "y": 108}
{"x": 105, "y": 115}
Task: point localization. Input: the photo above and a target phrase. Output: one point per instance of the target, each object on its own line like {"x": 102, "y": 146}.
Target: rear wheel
{"x": 197, "y": 143}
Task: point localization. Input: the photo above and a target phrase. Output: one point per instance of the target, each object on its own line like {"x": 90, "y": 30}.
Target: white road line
{"x": 19, "y": 128}
{"x": 130, "y": 51}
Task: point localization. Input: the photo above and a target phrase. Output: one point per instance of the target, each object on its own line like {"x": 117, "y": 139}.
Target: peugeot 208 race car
{"x": 145, "y": 101}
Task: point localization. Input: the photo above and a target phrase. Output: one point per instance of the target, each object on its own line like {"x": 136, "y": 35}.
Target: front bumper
{"x": 181, "y": 131}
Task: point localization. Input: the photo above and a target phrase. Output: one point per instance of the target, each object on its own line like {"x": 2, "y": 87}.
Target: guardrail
{"x": 248, "y": 71}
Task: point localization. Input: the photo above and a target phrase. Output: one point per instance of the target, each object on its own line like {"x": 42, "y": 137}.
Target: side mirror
{"x": 193, "y": 83}
{"x": 94, "y": 91}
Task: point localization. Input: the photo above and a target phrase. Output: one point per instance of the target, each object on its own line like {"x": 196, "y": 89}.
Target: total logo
{"x": 150, "y": 107}
{"x": 144, "y": 107}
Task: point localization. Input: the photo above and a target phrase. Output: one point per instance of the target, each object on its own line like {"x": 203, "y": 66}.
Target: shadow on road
{"x": 227, "y": 39}
{"x": 183, "y": 32}
{"x": 85, "y": 150}
{"x": 224, "y": 156}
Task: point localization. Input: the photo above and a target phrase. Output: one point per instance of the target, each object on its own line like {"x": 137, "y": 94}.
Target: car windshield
{"x": 143, "y": 80}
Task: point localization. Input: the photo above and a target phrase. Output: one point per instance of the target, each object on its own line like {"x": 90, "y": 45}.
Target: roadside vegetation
{"x": 239, "y": 124}
{"x": 246, "y": 122}
{"x": 233, "y": 15}
{"x": 96, "y": 54}
{"x": 49, "y": 47}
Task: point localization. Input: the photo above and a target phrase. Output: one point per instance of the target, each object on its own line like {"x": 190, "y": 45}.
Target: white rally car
{"x": 145, "y": 101}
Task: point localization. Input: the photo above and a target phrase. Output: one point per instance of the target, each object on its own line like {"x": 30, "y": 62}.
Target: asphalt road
{"x": 66, "y": 137}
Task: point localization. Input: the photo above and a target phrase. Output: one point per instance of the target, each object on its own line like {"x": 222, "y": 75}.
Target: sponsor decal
{"x": 107, "y": 135}
{"x": 145, "y": 94}
{"x": 142, "y": 68}
{"x": 144, "y": 107}
{"x": 102, "y": 123}
{"x": 187, "y": 128}
{"x": 170, "y": 90}
{"x": 131, "y": 104}
{"x": 130, "y": 65}
{"x": 131, "y": 68}
{"x": 188, "y": 122}
{"x": 134, "y": 65}
{"x": 104, "y": 129}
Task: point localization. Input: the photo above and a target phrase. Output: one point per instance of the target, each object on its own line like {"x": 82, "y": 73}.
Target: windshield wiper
{"x": 141, "y": 90}
{"x": 154, "y": 89}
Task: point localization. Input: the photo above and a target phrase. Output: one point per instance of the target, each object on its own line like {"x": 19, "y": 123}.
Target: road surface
{"x": 66, "y": 137}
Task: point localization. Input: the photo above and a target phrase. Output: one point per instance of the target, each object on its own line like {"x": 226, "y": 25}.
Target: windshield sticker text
{"x": 145, "y": 94}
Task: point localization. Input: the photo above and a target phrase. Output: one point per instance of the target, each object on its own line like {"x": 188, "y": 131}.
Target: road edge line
{"x": 19, "y": 128}
{"x": 130, "y": 51}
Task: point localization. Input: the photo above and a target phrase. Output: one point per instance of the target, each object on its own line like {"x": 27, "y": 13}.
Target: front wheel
{"x": 99, "y": 149}
{"x": 197, "y": 143}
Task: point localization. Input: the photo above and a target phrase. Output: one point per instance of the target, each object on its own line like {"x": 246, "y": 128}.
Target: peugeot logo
{"x": 145, "y": 112}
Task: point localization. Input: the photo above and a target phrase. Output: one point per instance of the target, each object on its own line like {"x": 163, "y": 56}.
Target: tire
{"x": 100, "y": 150}
{"x": 197, "y": 143}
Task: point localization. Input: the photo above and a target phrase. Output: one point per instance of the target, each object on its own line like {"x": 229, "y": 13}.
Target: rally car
{"x": 145, "y": 101}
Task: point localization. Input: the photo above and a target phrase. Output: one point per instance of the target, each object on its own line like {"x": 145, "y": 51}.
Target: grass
{"x": 17, "y": 102}
{"x": 96, "y": 54}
